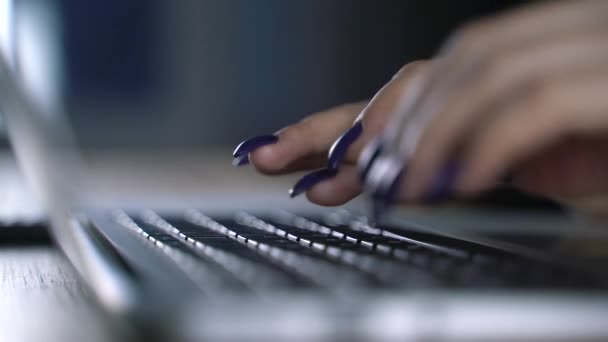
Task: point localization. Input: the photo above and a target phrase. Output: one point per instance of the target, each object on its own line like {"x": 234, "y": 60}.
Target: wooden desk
{"x": 41, "y": 299}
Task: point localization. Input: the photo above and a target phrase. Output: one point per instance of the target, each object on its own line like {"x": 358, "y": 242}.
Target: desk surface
{"x": 41, "y": 298}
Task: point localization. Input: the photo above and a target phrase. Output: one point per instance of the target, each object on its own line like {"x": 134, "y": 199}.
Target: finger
{"x": 467, "y": 104}
{"x": 306, "y": 163}
{"x": 386, "y": 104}
{"x": 338, "y": 190}
{"x": 379, "y": 161}
{"x": 346, "y": 185}
{"x": 524, "y": 25}
{"x": 305, "y": 144}
{"x": 462, "y": 54}
{"x": 493, "y": 39}
{"x": 559, "y": 109}
{"x": 486, "y": 40}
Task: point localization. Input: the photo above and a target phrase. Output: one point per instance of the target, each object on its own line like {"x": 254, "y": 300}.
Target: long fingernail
{"x": 242, "y": 160}
{"x": 309, "y": 180}
{"x": 441, "y": 188}
{"x": 337, "y": 152}
{"x": 251, "y": 144}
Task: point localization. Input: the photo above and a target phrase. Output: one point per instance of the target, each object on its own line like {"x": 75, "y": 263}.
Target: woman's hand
{"x": 523, "y": 94}
{"x": 306, "y": 145}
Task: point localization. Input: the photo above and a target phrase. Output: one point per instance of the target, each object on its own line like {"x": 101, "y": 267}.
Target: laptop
{"x": 175, "y": 244}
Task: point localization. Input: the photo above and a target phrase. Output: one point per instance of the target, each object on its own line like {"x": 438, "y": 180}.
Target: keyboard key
{"x": 273, "y": 245}
{"x": 284, "y": 250}
{"x": 251, "y": 274}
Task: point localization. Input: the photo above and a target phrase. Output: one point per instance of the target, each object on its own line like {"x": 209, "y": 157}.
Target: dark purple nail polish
{"x": 251, "y": 144}
{"x": 367, "y": 158}
{"x": 309, "y": 180}
{"x": 442, "y": 185}
{"x": 242, "y": 160}
{"x": 338, "y": 150}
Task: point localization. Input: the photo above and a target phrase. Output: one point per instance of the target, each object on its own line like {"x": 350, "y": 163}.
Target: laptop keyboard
{"x": 286, "y": 250}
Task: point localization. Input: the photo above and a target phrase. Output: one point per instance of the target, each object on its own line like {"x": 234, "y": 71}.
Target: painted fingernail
{"x": 309, "y": 180}
{"x": 242, "y": 160}
{"x": 251, "y": 144}
{"x": 337, "y": 152}
{"x": 442, "y": 185}
{"x": 368, "y": 156}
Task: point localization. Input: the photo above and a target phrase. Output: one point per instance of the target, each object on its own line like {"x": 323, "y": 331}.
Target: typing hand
{"x": 306, "y": 145}
{"x": 523, "y": 94}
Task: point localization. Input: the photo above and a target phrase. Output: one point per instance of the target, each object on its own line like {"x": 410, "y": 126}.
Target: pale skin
{"x": 524, "y": 92}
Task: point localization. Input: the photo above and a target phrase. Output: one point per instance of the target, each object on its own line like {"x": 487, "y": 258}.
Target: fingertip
{"x": 267, "y": 159}
{"x": 325, "y": 195}
{"x": 319, "y": 195}
{"x": 300, "y": 145}
{"x": 310, "y": 179}
{"x": 336, "y": 191}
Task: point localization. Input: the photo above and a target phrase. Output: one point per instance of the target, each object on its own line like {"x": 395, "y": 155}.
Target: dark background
{"x": 159, "y": 73}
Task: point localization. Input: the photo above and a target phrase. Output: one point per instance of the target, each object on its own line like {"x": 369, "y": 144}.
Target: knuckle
{"x": 377, "y": 116}
{"x": 351, "y": 109}
{"x": 417, "y": 64}
{"x": 494, "y": 69}
{"x": 468, "y": 38}
{"x": 370, "y": 118}
{"x": 410, "y": 67}
{"x": 294, "y": 132}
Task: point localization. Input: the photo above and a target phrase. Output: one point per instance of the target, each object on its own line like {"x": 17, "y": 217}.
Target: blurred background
{"x": 182, "y": 82}
{"x": 213, "y": 72}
